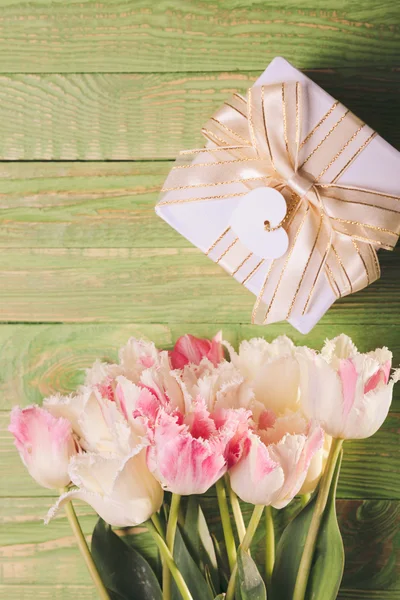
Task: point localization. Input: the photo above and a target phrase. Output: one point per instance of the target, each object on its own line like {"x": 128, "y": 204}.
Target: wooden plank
{"x": 371, "y": 534}
{"x": 46, "y": 557}
{"x": 35, "y": 554}
{"x": 158, "y": 285}
{"x": 370, "y": 467}
{"x": 154, "y": 116}
{"x": 39, "y": 360}
{"x": 49, "y": 36}
{"x": 55, "y": 592}
{"x": 83, "y": 205}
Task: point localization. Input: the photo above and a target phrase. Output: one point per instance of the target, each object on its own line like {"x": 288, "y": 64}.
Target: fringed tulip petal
{"x": 45, "y": 444}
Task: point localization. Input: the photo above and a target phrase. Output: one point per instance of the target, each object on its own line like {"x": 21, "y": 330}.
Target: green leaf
{"x": 249, "y": 579}
{"x": 125, "y": 573}
{"x": 199, "y": 542}
{"x": 222, "y": 560}
{"x": 190, "y": 571}
{"x": 143, "y": 542}
{"x": 328, "y": 561}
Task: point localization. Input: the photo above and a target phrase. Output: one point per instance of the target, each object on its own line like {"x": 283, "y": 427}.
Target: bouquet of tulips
{"x": 157, "y": 438}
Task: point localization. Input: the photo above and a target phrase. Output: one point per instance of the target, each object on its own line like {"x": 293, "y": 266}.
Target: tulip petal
{"x": 294, "y": 454}
{"x": 68, "y": 407}
{"x": 136, "y": 356}
{"x": 185, "y": 464}
{"x": 45, "y": 444}
{"x": 272, "y": 371}
{"x": 190, "y": 350}
{"x": 320, "y": 391}
{"x": 341, "y": 346}
{"x": 135, "y": 401}
{"x": 348, "y": 375}
{"x": 121, "y": 491}
{"x": 257, "y": 478}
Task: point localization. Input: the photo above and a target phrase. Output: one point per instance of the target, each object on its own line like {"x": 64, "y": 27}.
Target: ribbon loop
{"x": 333, "y": 230}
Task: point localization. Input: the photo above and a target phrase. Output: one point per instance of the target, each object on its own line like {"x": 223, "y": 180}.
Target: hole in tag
{"x": 268, "y": 226}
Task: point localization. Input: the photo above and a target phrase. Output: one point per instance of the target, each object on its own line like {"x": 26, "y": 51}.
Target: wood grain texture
{"x": 90, "y": 36}
{"x": 27, "y": 547}
{"x": 154, "y": 116}
{"x": 35, "y": 554}
{"x": 155, "y": 285}
{"x": 83, "y": 205}
{"x": 39, "y": 360}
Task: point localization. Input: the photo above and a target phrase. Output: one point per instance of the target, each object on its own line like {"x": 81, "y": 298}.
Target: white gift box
{"x": 377, "y": 167}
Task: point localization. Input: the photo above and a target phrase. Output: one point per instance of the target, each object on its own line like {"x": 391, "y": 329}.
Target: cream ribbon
{"x": 333, "y": 229}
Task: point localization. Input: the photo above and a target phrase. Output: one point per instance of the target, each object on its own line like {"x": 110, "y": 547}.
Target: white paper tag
{"x": 258, "y": 208}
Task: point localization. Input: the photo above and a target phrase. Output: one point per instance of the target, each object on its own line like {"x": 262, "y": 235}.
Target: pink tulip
{"x": 347, "y": 392}
{"x": 190, "y": 349}
{"x": 276, "y": 460}
{"x": 190, "y": 452}
{"x": 271, "y": 371}
{"x": 45, "y": 444}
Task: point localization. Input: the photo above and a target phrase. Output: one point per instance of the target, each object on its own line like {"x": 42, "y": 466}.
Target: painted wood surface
{"x": 144, "y": 36}
{"x": 153, "y": 116}
{"x": 96, "y": 99}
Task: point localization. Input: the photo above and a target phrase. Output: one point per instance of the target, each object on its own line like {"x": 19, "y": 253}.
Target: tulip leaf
{"x": 328, "y": 561}
{"x": 125, "y": 573}
{"x": 190, "y": 571}
{"x": 142, "y": 541}
{"x": 222, "y": 561}
{"x": 249, "y": 580}
{"x": 200, "y": 544}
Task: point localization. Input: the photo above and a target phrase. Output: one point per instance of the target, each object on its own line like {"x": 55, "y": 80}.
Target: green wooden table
{"x": 96, "y": 99}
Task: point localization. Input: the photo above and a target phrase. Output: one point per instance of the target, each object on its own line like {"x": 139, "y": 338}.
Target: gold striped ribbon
{"x": 334, "y": 230}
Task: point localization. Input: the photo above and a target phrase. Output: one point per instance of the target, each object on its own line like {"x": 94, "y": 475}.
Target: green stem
{"x": 245, "y": 545}
{"x": 169, "y": 560}
{"x": 269, "y": 546}
{"x": 158, "y": 524}
{"x": 226, "y": 524}
{"x": 170, "y": 539}
{"x": 304, "y": 500}
{"x": 166, "y": 573}
{"x": 166, "y": 581}
{"x": 85, "y": 552}
{"x": 319, "y": 508}
{"x": 173, "y": 521}
{"x": 237, "y": 512}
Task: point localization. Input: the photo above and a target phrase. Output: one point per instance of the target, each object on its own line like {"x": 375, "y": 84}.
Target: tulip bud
{"x": 347, "y": 392}
{"x": 272, "y": 472}
{"x": 45, "y": 444}
{"x": 190, "y": 452}
{"x": 121, "y": 490}
{"x": 190, "y": 349}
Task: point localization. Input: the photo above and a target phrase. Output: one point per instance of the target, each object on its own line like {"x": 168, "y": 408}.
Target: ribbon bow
{"x": 333, "y": 229}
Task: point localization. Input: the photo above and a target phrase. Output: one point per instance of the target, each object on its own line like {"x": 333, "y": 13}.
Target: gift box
{"x": 292, "y": 194}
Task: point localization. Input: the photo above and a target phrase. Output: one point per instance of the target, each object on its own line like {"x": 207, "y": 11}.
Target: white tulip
{"x": 121, "y": 490}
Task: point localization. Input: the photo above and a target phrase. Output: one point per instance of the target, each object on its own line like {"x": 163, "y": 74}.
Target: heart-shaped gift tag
{"x": 255, "y": 219}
